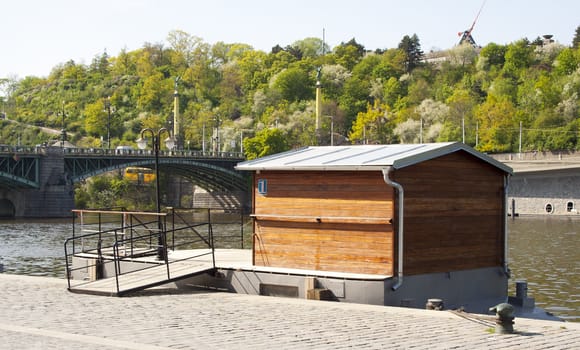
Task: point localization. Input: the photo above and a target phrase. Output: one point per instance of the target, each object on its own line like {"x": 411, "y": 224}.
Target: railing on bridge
{"x": 538, "y": 156}
{"x": 7, "y": 149}
{"x": 141, "y": 153}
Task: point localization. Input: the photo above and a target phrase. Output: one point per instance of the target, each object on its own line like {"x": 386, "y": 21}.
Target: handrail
{"x": 124, "y": 242}
{"x": 118, "y": 212}
{"x": 33, "y": 150}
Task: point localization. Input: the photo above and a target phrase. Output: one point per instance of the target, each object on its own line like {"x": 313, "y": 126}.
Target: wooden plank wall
{"x": 453, "y": 214}
{"x": 329, "y": 221}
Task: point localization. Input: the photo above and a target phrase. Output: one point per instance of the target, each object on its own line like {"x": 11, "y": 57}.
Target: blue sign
{"x": 263, "y": 186}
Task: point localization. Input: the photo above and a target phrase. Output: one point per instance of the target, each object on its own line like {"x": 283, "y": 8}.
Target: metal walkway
{"x": 120, "y": 252}
{"x": 143, "y": 279}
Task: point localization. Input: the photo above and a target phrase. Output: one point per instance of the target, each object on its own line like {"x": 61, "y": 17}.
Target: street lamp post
{"x": 331, "y": 129}
{"x": 242, "y": 139}
{"x": 142, "y": 144}
{"x": 217, "y": 147}
{"x": 63, "y": 126}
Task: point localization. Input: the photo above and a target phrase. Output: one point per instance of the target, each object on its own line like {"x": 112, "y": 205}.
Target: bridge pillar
{"x": 55, "y": 197}
{"x": 7, "y": 209}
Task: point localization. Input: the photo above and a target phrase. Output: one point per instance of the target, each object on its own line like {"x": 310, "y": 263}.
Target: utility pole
{"x": 63, "y": 127}
{"x": 178, "y": 144}
{"x": 520, "y": 149}
{"x": 108, "y": 109}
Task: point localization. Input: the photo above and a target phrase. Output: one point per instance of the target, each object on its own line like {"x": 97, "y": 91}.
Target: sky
{"x": 38, "y": 35}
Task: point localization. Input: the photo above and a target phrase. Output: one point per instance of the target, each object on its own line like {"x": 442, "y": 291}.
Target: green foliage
{"x": 348, "y": 54}
{"x": 567, "y": 61}
{"x": 497, "y": 124}
{"x": 411, "y": 47}
{"x": 490, "y": 92}
{"x": 294, "y": 84}
{"x": 266, "y": 142}
{"x": 373, "y": 126}
{"x": 112, "y": 190}
{"x": 494, "y": 55}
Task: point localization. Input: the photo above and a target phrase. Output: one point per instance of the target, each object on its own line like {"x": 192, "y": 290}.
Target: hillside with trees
{"x": 486, "y": 96}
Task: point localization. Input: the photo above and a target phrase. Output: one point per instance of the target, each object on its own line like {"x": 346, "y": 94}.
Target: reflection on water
{"x": 546, "y": 253}
{"x": 543, "y": 251}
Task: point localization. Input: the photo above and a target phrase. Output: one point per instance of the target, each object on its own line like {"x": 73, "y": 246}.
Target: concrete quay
{"x": 39, "y": 313}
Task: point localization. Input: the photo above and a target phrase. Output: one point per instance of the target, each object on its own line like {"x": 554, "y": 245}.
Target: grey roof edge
{"x": 320, "y": 168}
{"x": 448, "y": 149}
{"x": 441, "y": 150}
{"x": 243, "y": 165}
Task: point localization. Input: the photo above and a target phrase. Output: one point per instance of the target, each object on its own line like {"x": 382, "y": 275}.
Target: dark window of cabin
{"x": 569, "y": 207}
{"x": 549, "y": 208}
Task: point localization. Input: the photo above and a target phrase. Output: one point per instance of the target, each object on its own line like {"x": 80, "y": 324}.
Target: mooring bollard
{"x": 504, "y": 321}
{"x": 434, "y": 304}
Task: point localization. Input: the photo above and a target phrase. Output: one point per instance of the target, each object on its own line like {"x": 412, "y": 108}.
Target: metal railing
{"x": 112, "y": 237}
{"x": 10, "y": 149}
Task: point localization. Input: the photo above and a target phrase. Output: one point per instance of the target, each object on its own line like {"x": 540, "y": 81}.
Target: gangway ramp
{"x": 119, "y": 252}
{"x": 143, "y": 279}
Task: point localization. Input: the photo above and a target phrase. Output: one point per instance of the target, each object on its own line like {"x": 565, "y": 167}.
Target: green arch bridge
{"x": 38, "y": 181}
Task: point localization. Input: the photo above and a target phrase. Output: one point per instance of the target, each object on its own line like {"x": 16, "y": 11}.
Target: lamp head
{"x": 141, "y": 143}
{"x": 170, "y": 142}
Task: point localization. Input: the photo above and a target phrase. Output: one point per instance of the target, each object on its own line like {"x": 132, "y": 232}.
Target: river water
{"x": 543, "y": 251}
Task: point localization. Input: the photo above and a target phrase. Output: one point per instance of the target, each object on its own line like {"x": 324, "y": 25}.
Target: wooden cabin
{"x": 345, "y": 209}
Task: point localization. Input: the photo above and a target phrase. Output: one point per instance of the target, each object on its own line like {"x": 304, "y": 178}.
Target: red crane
{"x": 466, "y": 35}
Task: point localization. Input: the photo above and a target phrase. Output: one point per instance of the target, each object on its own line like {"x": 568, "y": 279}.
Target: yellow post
{"x": 318, "y": 105}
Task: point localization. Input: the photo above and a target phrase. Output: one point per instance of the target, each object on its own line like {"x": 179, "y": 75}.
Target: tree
{"x": 393, "y": 91}
{"x": 184, "y": 45}
{"x": 497, "y": 124}
{"x": 354, "y": 98}
{"x": 412, "y": 49}
{"x": 294, "y": 84}
{"x": 461, "y": 104}
{"x": 433, "y": 115}
{"x": 494, "y": 54}
{"x": 391, "y": 64}
{"x": 155, "y": 90}
{"x": 333, "y": 79}
{"x": 462, "y": 55}
{"x": 96, "y": 119}
{"x": 311, "y": 47}
{"x": 567, "y": 61}
{"x": 266, "y": 142}
{"x": 254, "y": 70}
{"x": 124, "y": 63}
{"x": 576, "y": 40}
{"x": 372, "y": 126}
{"x": 348, "y": 54}
{"x": 517, "y": 58}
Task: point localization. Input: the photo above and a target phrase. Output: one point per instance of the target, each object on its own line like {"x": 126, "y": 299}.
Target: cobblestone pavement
{"x": 39, "y": 313}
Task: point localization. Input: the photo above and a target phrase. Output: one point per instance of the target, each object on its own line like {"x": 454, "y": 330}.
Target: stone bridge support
{"x": 54, "y": 198}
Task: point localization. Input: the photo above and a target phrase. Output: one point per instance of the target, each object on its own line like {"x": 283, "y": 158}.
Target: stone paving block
{"x": 210, "y": 320}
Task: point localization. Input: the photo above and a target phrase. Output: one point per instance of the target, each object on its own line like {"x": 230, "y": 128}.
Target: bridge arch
{"x": 7, "y": 208}
{"x": 211, "y": 177}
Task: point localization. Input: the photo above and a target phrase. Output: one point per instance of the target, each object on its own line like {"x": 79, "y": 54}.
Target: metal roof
{"x": 362, "y": 157}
